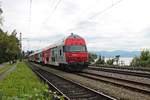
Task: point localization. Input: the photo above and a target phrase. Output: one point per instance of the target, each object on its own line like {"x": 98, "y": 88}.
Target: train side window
{"x": 64, "y": 49}
{"x": 60, "y": 52}
{"x": 53, "y": 59}
{"x": 52, "y": 52}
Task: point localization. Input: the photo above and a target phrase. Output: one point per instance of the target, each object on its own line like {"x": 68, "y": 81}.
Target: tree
{"x": 13, "y": 49}
{"x": 3, "y": 46}
{"x": 110, "y": 62}
{"x": 135, "y": 62}
{"x": 143, "y": 60}
{"x": 9, "y": 48}
{"x": 101, "y": 60}
{"x": 117, "y": 59}
{"x": 92, "y": 57}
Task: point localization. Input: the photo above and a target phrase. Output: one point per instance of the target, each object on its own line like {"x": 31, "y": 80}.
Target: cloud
{"x": 123, "y": 27}
{"x": 146, "y": 32}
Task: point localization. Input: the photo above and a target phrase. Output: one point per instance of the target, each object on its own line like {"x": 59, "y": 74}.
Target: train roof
{"x": 35, "y": 52}
{"x": 62, "y": 41}
{"x": 57, "y": 43}
{"x": 74, "y": 36}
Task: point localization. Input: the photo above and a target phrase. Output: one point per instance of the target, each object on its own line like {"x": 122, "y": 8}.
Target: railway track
{"x": 126, "y": 68}
{"x": 144, "y": 74}
{"x": 131, "y": 85}
{"x": 69, "y": 89}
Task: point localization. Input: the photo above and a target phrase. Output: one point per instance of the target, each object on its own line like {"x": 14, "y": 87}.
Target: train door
{"x": 40, "y": 54}
{"x": 54, "y": 58}
{"x": 61, "y": 55}
{"x": 48, "y": 56}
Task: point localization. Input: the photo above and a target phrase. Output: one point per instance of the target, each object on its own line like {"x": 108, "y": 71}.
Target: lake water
{"x": 123, "y": 60}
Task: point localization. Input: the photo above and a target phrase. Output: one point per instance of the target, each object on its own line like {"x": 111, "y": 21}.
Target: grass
{"x": 23, "y": 84}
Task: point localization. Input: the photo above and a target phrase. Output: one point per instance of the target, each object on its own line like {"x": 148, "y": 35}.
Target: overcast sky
{"x": 105, "y": 24}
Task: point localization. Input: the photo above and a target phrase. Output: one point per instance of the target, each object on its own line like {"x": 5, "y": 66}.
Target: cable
{"x": 52, "y": 12}
{"x": 30, "y": 8}
{"x": 101, "y": 12}
{"x": 56, "y": 6}
{"x": 107, "y": 8}
{"x": 30, "y": 11}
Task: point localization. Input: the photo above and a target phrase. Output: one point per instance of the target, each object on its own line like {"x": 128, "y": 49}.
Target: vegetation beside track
{"x": 23, "y": 84}
{"x": 143, "y": 60}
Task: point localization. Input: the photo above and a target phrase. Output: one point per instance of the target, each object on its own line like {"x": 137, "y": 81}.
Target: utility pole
{"x": 20, "y": 46}
{"x": 21, "y": 42}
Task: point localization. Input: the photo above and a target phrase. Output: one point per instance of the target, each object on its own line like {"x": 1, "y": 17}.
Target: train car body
{"x": 70, "y": 53}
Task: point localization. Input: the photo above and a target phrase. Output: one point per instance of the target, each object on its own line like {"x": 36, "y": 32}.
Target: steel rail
{"x": 107, "y": 80}
{"x": 121, "y": 71}
{"x": 75, "y": 91}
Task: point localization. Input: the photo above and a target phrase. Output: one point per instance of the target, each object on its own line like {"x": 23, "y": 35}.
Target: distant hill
{"x": 122, "y": 53}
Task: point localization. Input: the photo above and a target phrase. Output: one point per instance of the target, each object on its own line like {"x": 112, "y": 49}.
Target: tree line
{"x": 9, "y": 44}
{"x": 142, "y": 61}
{"x": 101, "y": 60}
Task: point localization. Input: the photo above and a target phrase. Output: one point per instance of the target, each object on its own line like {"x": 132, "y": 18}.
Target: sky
{"x": 105, "y": 24}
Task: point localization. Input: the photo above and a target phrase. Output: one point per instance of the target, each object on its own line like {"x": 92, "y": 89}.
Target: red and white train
{"x": 70, "y": 53}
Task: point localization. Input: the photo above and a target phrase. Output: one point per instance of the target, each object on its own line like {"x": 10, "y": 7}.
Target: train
{"x": 68, "y": 54}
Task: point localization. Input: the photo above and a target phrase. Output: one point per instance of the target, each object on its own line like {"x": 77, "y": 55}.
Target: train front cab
{"x": 75, "y": 53}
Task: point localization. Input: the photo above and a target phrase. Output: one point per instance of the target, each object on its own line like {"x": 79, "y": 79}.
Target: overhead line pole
{"x": 20, "y": 46}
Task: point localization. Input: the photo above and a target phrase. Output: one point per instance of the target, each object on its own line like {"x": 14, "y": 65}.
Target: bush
{"x": 110, "y": 62}
{"x": 143, "y": 60}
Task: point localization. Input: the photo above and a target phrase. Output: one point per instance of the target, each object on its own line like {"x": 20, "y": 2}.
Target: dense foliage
{"x": 143, "y": 60}
{"x": 9, "y": 47}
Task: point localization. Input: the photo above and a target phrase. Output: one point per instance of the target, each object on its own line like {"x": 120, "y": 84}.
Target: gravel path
{"x": 1, "y": 65}
{"x": 122, "y": 76}
{"x": 117, "y": 92}
{"x": 3, "y": 75}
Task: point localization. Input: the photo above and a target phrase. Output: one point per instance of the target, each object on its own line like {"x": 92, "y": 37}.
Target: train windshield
{"x": 75, "y": 49}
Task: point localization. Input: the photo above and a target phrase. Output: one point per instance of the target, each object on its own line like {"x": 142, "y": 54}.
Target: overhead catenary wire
{"x": 29, "y": 24}
{"x": 99, "y": 13}
{"x": 57, "y": 3}
{"x": 30, "y": 8}
{"x": 53, "y": 10}
{"x": 104, "y": 10}
{"x": 30, "y": 11}
{"x": 52, "y": 3}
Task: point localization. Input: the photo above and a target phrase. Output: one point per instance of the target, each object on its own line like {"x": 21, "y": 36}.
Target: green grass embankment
{"x": 23, "y": 84}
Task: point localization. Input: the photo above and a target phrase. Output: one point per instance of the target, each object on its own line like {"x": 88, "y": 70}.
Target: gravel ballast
{"x": 122, "y": 76}
{"x": 109, "y": 89}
